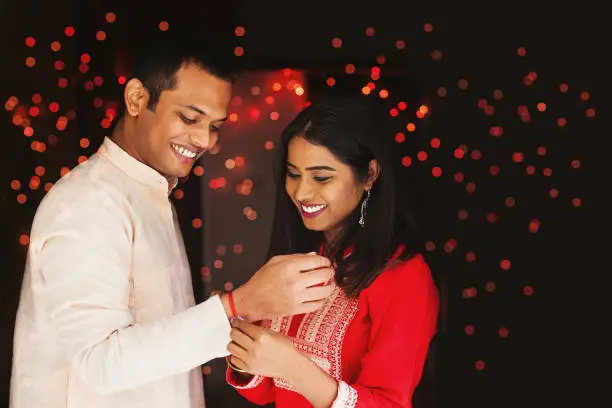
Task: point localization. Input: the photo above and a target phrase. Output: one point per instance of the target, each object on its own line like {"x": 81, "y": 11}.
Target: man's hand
{"x": 286, "y": 285}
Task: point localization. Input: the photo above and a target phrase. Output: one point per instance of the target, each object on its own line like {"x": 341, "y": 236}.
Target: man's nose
{"x": 200, "y": 138}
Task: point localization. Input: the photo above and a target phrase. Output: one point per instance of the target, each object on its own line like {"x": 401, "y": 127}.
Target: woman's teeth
{"x": 313, "y": 208}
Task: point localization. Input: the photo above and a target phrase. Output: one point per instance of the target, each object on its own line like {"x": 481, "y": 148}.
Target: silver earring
{"x": 364, "y": 206}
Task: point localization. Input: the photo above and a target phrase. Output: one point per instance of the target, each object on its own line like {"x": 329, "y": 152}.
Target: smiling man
{"x": 171, "y": 131}
{"x": 107, "y": 316}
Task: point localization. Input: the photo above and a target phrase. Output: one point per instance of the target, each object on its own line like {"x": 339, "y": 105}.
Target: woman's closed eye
{"x": 321, "y": 179}
{"x": 318, "y": 179}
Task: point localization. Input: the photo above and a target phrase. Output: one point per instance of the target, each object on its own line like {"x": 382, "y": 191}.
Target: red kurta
{"x": 375, "y": 345}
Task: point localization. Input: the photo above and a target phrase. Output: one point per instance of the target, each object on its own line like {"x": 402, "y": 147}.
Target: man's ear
{"x": 136, "y": 97}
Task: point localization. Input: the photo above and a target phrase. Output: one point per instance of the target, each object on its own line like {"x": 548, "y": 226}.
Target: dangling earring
{"x": 364, "y": 206}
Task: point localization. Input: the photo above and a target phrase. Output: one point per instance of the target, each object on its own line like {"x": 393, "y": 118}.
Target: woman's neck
{"x": 332, "y": 237}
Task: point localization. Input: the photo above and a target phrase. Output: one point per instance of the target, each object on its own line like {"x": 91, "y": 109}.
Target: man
{"x": 107, "y": 315}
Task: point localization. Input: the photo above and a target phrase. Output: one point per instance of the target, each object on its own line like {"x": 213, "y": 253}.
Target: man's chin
{"x": 180, "y": 173}
{"x": 175, "y": 171}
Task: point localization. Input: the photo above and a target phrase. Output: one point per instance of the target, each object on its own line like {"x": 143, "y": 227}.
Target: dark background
{"x": 551, "y": 344}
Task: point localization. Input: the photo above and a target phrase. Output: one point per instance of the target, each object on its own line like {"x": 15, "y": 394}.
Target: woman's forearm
{"x": 312, "y": 382}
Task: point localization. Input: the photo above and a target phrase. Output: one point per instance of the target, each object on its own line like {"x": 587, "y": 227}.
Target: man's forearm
{"x": 142, "y": 353}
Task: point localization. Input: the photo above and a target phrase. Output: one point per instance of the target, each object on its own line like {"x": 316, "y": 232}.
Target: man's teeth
{"x": 313, "y": 208}
{"x": 183, "y": 151}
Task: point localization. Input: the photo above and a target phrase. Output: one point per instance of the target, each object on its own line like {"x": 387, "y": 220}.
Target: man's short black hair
{"x": 156, "y": 63}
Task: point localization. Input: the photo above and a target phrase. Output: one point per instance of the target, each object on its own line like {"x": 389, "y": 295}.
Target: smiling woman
{"x": 367, "y": 345}
{"x": 333, "y": 167}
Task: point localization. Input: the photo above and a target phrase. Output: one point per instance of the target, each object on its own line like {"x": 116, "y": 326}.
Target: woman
{"x": 367, "y": 345}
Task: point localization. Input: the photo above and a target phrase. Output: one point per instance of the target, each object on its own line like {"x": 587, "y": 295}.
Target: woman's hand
{"x": 264, "y": 352}
{"x": 261, "y": 351}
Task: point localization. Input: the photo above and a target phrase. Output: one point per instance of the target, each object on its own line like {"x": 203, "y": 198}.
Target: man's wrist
{"x": 241, "y": 304}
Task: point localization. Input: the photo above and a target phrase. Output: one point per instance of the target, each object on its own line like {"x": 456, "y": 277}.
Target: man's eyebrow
{"x": 196, "y": 109}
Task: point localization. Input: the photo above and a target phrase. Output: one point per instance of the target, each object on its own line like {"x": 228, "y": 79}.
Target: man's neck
{"x": 121, "y": 137}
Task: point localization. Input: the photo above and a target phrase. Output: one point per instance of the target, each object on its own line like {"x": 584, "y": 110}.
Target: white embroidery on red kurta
{"x": 321, "y": 334}
{"x": 347, "y": 396}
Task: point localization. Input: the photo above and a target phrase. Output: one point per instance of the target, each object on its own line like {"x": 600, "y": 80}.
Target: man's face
{"x": 184, "y": 124}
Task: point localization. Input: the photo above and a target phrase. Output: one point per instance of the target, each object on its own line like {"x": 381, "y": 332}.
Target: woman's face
{"x": 324, "y": 190}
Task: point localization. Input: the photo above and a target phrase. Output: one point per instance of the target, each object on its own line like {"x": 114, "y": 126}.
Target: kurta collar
{"x": 136, "y": 169}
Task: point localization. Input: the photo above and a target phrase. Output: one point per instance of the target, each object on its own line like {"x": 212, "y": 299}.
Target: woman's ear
{"x": 373, "y": 173}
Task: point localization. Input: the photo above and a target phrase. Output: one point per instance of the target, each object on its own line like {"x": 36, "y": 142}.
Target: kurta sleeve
{"x": 80, "y": 256}
{"x": 257, "y": 389}
{"x": 403, "y": 307}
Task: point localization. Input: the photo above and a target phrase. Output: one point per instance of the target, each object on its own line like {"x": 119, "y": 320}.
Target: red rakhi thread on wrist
{"x": 230, "y": 297}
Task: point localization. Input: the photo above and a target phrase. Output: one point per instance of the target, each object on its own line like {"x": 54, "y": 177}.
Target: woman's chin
{"x": 310, "y": 225}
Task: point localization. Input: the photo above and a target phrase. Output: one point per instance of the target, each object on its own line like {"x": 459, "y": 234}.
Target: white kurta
{"x": 107, "y": 316}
